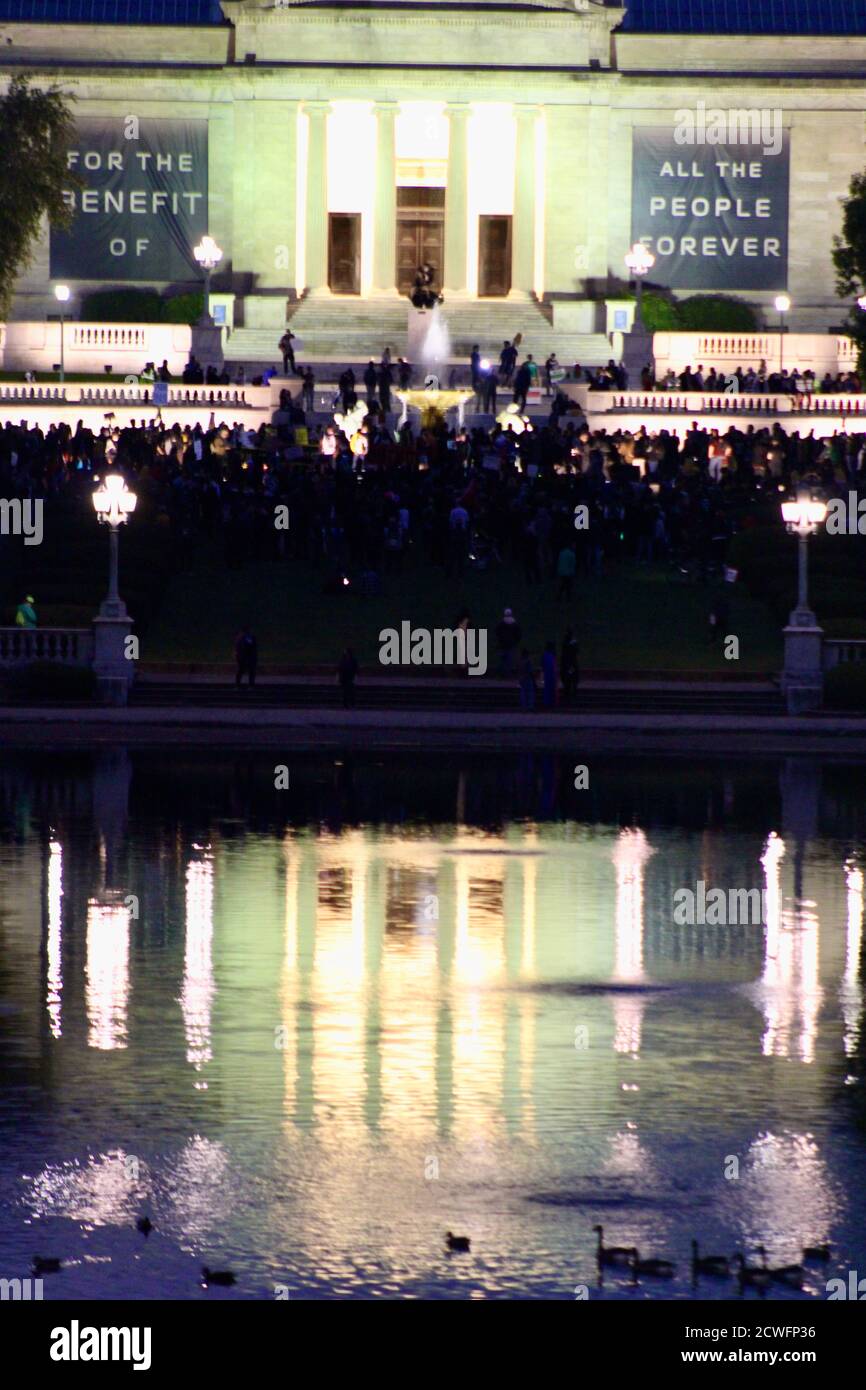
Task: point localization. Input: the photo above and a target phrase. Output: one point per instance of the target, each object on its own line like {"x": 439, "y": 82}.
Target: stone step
{"x": 486, "y": 696}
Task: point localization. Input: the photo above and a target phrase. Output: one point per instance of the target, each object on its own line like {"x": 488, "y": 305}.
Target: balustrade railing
{"x": 68, "y": 646}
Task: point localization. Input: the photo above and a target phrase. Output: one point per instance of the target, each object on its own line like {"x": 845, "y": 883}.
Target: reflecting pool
{"x": 309, "y": 1028}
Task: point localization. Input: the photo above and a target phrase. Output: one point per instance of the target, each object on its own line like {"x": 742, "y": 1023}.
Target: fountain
{"x": 429, "y": 345}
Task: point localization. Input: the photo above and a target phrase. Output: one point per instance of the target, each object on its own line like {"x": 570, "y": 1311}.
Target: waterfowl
{"x": 46, "y": 1266}
{"x": 612, "y": 1254}
{"x": 652, "y": 1268}
{"x": 792, "y": 1275}
{"x": 754, "y": 1275}
{"x": 816, "y": 1252}
{"x": 718, "y": 1265}
{"x": 144, "y": 1224}
{"x": 460, "y": 1244}
{"x": 217, "y": 1276}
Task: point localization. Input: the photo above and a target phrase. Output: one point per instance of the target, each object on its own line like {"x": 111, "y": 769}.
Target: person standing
{"x": 488, "y": 382}
{"x": 287, "y": 349}
{"x": 508, "y": 636}
{"x": 568, "y": 666}
{"x": 25, "y": 614}
{"x": 475, "y": 367}
{"x": 386, "y": 378}
{"x": 548, "y": 668}
{"x": 527, "y": 682}
{"x": 566, "y": 568}
{"x": 308, "y": 389}
{"x": 347, "y": 670}
{"x": 522, "y": 383}
{"x": 347, "y": 389}
{"x": 246, "y": 656}
{"x": 371, "y": 378}
{"x": 550, "y": 366}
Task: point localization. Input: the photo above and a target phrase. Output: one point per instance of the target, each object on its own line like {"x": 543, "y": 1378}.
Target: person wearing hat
{"x": 26, "y": 613}
{"x": 508, "y": 636}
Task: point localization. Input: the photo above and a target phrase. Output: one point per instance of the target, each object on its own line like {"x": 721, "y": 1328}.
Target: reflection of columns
{"x": 523, "y": 263}
{"x": 316, "y": 245}
{"x": 385, "y": 213}
{"x": 456, "y": 197}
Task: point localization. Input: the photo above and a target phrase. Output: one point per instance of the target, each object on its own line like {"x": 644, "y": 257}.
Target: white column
{"x": 385, "y": 210}
{"x": 456, "y": 197}
{"x": 523, "y": 231}
{"x": 316, "y": 274}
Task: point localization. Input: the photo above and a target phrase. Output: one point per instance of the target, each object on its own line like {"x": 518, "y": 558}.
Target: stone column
{"x": 523, "y": 232}
{"x": 385, "y": 211}
{"x": 316, "y": 252}
{"x": 456, "y": 195}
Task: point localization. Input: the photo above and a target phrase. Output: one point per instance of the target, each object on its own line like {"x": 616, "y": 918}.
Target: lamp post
{"x": 802, "y": 516}
{"x": 208, "y": 255}
{"x": 803, "y": 676}
{"x": 640, "y": 261}
{"x": 114, "y": 504}
{"x": 783, "y": 304}
{"x": 62, "y": 294}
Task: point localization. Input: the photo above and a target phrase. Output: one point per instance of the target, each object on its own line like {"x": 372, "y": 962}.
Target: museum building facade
{"x": 519, "y": 148}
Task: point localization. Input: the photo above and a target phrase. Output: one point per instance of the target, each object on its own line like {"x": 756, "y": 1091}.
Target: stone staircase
{"x": 488, "y": 696}
{"x": 340, "y": 330}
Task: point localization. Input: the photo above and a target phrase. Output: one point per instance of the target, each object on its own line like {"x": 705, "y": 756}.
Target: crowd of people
{"x": 445, "y": 499}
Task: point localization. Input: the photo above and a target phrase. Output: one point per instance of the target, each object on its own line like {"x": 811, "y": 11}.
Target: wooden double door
{"x": 420, "y": 234}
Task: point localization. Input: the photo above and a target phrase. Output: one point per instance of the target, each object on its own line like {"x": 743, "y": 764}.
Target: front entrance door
{"x": 344, "y": 252}
{"x": 494, "y": 256}
{"x": 420, "y": 234}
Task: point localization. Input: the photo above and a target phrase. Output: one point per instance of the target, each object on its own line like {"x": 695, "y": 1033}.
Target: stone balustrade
{"x": 820, "y": 352}
{"x": 841, "y": 651}
{"x": 66, "y": 646}
{"x": 28, "y": 346}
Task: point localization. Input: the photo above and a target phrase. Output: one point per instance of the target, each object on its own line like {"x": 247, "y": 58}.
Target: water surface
{"x": 309, "y": 1030}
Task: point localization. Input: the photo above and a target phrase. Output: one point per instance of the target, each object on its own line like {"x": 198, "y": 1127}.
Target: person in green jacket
{"x": 26, "y": 613}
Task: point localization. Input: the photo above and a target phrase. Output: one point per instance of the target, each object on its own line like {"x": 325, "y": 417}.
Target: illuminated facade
{"x": 348, "y": 142}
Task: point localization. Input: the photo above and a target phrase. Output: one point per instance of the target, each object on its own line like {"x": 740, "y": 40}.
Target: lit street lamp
{"x": 802, "y": 516}
{"x": 114, "y": 504}
{"x": 783, "y": 304}
{"x": 208, "y": 255}
{"x": 640, "y": 261}
{"x": 62, "y": 294}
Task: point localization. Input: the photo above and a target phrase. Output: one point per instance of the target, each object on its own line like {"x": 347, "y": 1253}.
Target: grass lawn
{"x": 634, "y": 618}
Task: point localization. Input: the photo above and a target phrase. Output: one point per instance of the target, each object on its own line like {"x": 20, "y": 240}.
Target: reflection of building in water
{"x": 198, "y": 987}
{"x": 850, "y": 990}
{"x": 789, "y": 992}
{"x": 107, "y": 974}
{"x": 379, "y": 980}
{"x": 630, "y": 856}
{"x": 54, "y": 941}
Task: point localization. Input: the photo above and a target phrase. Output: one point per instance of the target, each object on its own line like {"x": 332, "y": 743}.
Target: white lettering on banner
{"x": 703, "y": 207}
{"x": 94, "y": 160}
{"x": 141, "y": 201}
{"x": 731, "y": 246}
